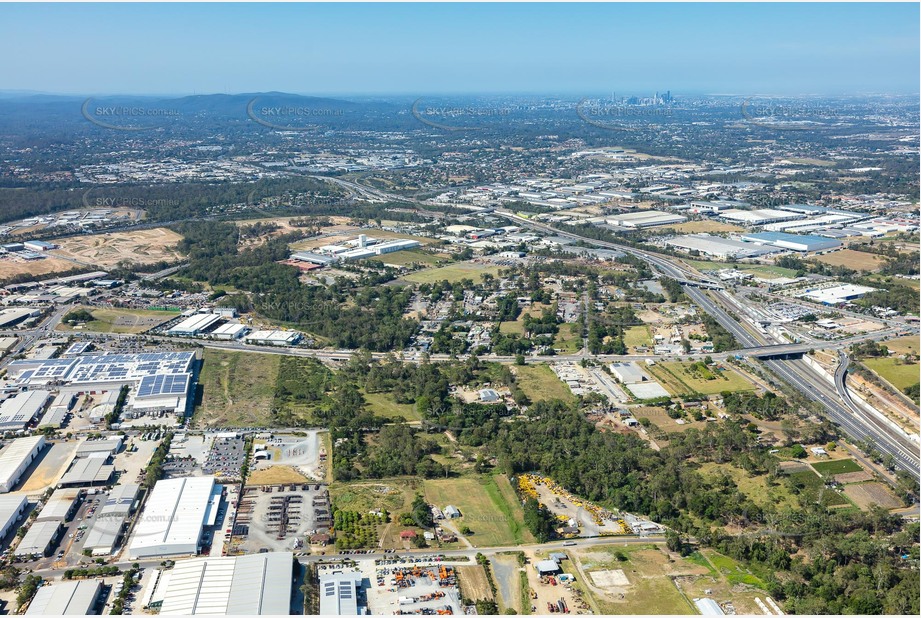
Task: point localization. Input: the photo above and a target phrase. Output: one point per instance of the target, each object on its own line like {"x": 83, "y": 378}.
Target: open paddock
{"x": 849, "y": 258}
{"x": 864, "y": 495}
{"x": 454, "y": 273}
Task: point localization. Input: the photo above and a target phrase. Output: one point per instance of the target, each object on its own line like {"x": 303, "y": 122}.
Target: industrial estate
{"x": 637, "y": 354}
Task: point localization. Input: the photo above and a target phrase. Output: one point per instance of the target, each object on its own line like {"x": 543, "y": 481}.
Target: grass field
{"x": 395, "y": 495}
{"x": 238, "y": 389}
{"x": 540, "y": 383}
{"x": 488, "y": 507}
{"x": 453, "y": 273}
{"x": 898, "y": 375}
{"x": 732, "y": 570}
{"x": 383, "y": 404}
{"x": 649, "y": 572}
{"x": 473, "y": 582}
{"x": 404, "y": 258}
{"x": 757, "y": 488}
{"x": 568, "y": 339}
{"x": 128, "y": 321}
{"x": 904, "y": 345}
{"x": 679, "y": 379}
{"x": 517, "y": 326}
{"x": 760, "y": 270}
{"x": 637, "y": 336}
{"x": 857, "y": 260}
{"x": 713, "y": 227}
{"x": 841, "y": 466}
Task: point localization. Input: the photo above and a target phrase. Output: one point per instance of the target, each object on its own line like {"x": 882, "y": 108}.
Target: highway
{"x": 856, "y": 423}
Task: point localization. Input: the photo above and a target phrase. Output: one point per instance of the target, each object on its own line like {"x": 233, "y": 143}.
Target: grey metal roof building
{"x": 40, "y": 538}
{"x": 339, "y": 594}
{"x": 69, "y": 598}
{"x": 109, "y": 524}
{"x": 60, "y": 506}
{"x": 795, "y": 242}
{"x": 85, "y": 471}
{"x": 18, "y": 411}
{"x": 174, "y": 517}
{"x": 257, "y": 584}
{"x": 109, "y": 446}
{"x": 15, "y": 459}
{"x": 11, "y": 508}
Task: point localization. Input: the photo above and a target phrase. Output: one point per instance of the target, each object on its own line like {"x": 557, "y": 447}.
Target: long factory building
{"x": 175, "y": 517}
{"x": 15, "y": 459}
{"x": 257, "y": 584}
{"x": 160, "y": 381}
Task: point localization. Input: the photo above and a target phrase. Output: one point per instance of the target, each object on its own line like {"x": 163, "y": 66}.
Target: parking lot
{"x": 301, "y": 452}
{"x": 225, "y": 457}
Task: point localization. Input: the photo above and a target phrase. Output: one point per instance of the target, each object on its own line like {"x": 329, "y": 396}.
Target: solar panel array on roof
{"x": 164, "y": 384}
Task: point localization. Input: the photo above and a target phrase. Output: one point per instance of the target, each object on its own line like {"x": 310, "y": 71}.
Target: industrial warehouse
{"x": 18, "y": 411}
{"x": 109, "y": 526}
{"x": 15, "y": 459}
{"x": 66, "y": 598}
{"x": 11, "y": 509}
{"x": 174, "y": 517}
{"x": 258, "y": 584}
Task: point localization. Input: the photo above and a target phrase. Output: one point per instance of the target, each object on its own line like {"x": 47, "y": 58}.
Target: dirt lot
{"x": 866, "y": 494}
{"x": 11, "y": 266}
{"x": 858, "y": 260}
{"x": 106, "y": 250}
{"x": 694, "y": 227}
{"x": 275, "y": 475}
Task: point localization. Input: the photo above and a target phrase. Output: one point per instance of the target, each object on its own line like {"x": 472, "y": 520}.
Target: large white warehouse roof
{"x": 257, "y": 584}
{"x": 173, "y": 517}
{"x": 68, "y": 598}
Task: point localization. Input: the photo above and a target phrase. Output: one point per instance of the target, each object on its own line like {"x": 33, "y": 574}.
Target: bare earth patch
{"x": 138, "y": 246}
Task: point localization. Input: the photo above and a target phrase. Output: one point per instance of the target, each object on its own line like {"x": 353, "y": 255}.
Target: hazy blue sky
{"x": 438, "y": 48}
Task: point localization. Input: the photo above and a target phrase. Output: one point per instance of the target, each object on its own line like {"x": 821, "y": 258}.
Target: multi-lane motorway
{"x": 858, "y": 424}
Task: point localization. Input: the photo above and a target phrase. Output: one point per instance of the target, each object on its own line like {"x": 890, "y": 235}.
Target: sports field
{"x": 488, "y": 506}
{"x": 540, "y": 383}
{"x": 127, "y": 321}
{"x": 900, "y": 375}
{"x": 238, "y": 389}
{"x": 453, "y": 273}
